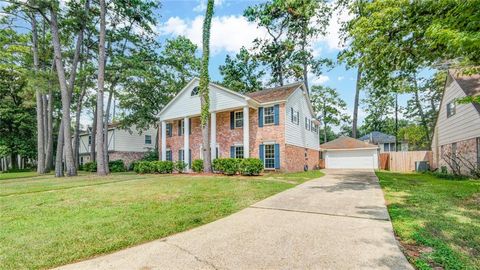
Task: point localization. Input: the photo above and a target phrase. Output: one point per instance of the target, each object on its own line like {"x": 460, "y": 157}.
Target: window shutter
{"x": 179, "y": 127}
{"x": 232, "y": 151}
{"x": 190, "y": 158}
{"x": 190, "y": 126}
{"x": 260, "y": 116}
{"x": 276, "y": 117}
{"x": 169, "y": 130}
{"x": 277, "y": 156}
{"x": 232, "y": 120}
{"x": 261, "y": 153}
{"x": 291, "y": 113}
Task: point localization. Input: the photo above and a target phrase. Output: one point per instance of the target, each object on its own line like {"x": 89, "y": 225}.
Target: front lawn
{"x": 15, "y": 175}
{"x": 436, "y": 220}
{"x": 47, "y": 221}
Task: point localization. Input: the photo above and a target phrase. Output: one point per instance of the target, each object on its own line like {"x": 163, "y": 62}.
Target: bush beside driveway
{"x": 437, "y": 220}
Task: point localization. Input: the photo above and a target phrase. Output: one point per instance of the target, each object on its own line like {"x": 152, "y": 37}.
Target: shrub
{"x": 180, "y": 166}
{"x": 230, "y": 166}
{"x": 197, "y": 165}
{"x": 151, "y": 155}
{"x": 144, "y": 167}
{"x": 90, "y": 166}
{"x": 163, "y": 166}
{"x": 116, "y": 165}
{"x": 217, "y": 165}
{"x": 250, "y": 166}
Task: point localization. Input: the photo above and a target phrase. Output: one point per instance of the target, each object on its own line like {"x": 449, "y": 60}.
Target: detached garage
{"x": 349, "y": 153}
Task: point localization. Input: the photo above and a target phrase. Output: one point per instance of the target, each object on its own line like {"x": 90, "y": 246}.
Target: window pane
{"x": 238, "y": 119}
{"x": 268, "y": 115}
{"x": 148, "y": 139}
{"x": 239, "y": 152}
{"x": 269, "y": 156}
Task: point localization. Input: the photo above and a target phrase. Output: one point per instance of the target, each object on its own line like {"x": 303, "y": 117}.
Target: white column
{"x": 213, "y": 135}
{"x": 164, "y": 141}
{"x": 246, "y": 133}
{"x": 186, "y": 141}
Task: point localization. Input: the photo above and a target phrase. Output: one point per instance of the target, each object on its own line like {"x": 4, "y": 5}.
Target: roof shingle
{"x": 274, "y": 94}
{"x": 344, "y": 142}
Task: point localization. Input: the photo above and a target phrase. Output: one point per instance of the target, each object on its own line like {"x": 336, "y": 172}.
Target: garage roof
{"x": 346, "y": 143}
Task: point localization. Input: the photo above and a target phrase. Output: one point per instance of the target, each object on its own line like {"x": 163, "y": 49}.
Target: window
{"x": 294, "y": 116}
{"x": 168, "y": 155}
{"x": 169, "y": 129}
{"x": 238, "y": 119}
{"x": 148, "y": 139}
{"x": 181, "y": 128}
{"x": 89, "y": 139}
{"x": 269, "y": 156}
{"x": 307, "y": 123}
{"x": 194, "y": 91}
{"x": 314, "y": 128}
{"x": 238, "y": 152}
{"x": 451, "y": 109}
{"x": 181, "y": 155}
{"x": 268, "y": 115}
{"x": 386, "y": 147}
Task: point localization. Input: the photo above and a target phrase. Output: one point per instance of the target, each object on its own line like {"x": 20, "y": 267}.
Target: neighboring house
{"x": 456, "y": 141}
{"x": 276, "y": 125}
{"x": 386, "y": 142}
{"x": 127, "y": 145}
{"x": 349, "y": 153}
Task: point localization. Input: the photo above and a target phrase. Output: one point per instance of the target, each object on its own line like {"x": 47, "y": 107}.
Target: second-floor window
{"x": 89, "y": 139}
{"x": 181, "y": 127}
{"x": 148, "y": 139}
{"x": 268, "y": 116}
{"x": 294, "y": 116}
{"x": 307, "y": 123}
{"x": 238, "y": 119}
{"x": 451, "y": 109}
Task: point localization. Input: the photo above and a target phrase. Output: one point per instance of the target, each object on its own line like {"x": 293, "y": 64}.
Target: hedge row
{"x": 159, "y": 166}
{"x": 114, "y": 166}
{"x": 232, "y": 166}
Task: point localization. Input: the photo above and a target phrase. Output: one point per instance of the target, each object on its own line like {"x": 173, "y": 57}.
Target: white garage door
{"x": 352, "y": 159}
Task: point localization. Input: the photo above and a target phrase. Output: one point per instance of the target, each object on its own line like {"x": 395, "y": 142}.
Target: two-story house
{"x": 456, "y": 141}
{"x": 276, "y": 125}
{"x": 127, "y": 145}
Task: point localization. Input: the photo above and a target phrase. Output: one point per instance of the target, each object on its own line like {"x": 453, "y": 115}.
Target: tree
{"x": 329, "y": 106}
{"x": 416, "y": 137}
{"x": 99, "y": 138}
{"x": 204, "y": 88}
{"x": 242, "y": 73}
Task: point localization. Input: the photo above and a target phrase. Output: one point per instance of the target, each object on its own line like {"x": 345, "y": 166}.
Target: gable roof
{"x": 470, "y": 84}
{"x": 378, "y": 137}
{"x": 275, "y": 94}
{"x": 346, "y": 143}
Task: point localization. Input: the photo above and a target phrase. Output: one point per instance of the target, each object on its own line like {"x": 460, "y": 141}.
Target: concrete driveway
{"x": 338, "y": 221}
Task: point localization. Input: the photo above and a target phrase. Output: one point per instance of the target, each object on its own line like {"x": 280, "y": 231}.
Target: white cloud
{"x": 229, "y": 33}
{"x": 332, "y": 38}
{"x": 340, "y": 78}
{"x": 202, "y": 5}
{"x": 315, "y": 80}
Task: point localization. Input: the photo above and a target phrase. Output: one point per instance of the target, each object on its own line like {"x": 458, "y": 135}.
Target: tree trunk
{"x": 305, "y": 61}
{"x": 204, "y": 92}
{"x": 76, "y": 135}
{"x": 423, "y": 118}
{"x": 356, "y": 102}
{"x": 396, "y": 121}
{"x": 105, "y": 127}
{"x": 101, "y": 166}
{"x": 39, "y": 101}
{"x": 49, "y": 153}
{"x": 59, "y": 153}
{"x": 93, "y": 148}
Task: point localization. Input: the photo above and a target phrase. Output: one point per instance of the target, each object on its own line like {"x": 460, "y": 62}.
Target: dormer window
{"x": 194, "y": 91}
{"x": 451, "y": 109}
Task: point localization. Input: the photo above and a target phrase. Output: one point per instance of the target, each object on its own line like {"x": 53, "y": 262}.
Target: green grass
{"x": 47, "y": 221}
{"x": 16, "y": 175}
{"x": 436, "y": 220}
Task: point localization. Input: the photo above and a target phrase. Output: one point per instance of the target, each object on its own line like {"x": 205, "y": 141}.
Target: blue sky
{"x": 230, "y": 31}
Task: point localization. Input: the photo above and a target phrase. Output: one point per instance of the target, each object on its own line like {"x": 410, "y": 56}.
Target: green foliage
{"x": 415, "y": 136}
{"x": 151, "y": 155}
{"x": 163, "y": 166}
{"x": 90, "y": 166}
{"x": 197, "y": 165}
{"x": 242, "y": 73}
{"x": 116, "y": 166}
{"x": 180, "y": 166}
{"x": 144, "y": 167}
{"x": 250, "y": 166}
{"x": 227, "y": 166}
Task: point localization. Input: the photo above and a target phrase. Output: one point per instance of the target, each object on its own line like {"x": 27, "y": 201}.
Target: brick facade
{"x": 466, "y": 150}
{"x": 292, "y": 158}
{"x": 127, "y": 157}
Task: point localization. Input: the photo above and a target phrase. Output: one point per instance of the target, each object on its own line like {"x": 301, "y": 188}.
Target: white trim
{"x": 235, "y": 119}
{"x": 264, "y": 115}
{"x": 177, "y": 95}
{"x": 348, "y": 149}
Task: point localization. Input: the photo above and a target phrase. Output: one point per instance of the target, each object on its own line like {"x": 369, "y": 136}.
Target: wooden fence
{"x": 403, "y": 161}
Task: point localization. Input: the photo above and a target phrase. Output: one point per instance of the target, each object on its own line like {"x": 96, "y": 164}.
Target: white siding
{"x": 187, "y": 105}
{"x": 297, "y": 134}
{"x": 465, "y": 124}
{"x": 125, "y": 141}
{"x": 85, "y": 147}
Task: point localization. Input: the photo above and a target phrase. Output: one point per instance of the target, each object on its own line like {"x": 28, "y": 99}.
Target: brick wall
{"x": 466, "y": 149}
{"x": 297, "y": 157}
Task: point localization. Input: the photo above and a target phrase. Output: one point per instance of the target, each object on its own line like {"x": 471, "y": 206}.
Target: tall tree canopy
{"x": 242, "y": 73}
